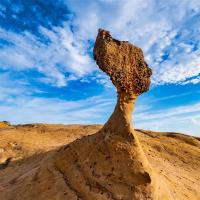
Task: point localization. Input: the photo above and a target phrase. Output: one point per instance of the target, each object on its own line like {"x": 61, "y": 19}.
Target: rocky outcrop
{"x": 123, "y": 62}
{"x": 111, "y": 163}
{"x": 4, "y": 124}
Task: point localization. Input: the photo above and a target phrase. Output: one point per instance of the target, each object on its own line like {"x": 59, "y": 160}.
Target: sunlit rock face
{"x": 111, "y": 164}
{"x": 123, "y": 62}
{"x": 125, "y": 65}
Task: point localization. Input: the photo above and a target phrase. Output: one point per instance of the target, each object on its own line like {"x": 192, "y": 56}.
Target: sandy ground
{"x": 26, "y": 153}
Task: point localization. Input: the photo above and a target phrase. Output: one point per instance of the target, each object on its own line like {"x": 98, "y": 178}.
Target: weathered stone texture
{"x": 123, "y": 62}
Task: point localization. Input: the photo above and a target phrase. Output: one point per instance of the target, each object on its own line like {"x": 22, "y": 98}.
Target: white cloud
{"x": 178, "y": 70}
{"x": 193, "y": 81}
{"x": 52, "y": 110}
{"x": 195, "y": 120}
{"x": 159, "y": 27}
{"x": 165, "y": 113}
{"x": 62, "y": 53}
{"x": 181, "y": 119}
{"x": 24, "y": 103}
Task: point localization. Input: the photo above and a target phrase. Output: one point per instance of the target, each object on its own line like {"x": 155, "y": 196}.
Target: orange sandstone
{"x": 111, "y": 163}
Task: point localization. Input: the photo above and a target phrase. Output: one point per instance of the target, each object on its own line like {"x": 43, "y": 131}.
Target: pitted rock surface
{"x": 123, "y": 62}
{"x": 111, "y": 163}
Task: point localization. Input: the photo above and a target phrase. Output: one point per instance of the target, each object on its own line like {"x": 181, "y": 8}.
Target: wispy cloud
{"x": 174, "y": 96}
{"x": 180, "y": 119}
{"x": 166, "y": 113}
{"x": 167, "y": 31}
{"x": 28, "y": 109}
{"x": 60, "y": 56}
{"x": 21, "y": 102}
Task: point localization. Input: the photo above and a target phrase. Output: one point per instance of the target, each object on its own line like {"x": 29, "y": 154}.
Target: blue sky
{"x": 48, "y": 75}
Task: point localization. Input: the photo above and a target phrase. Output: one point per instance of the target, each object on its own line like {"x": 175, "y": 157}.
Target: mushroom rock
{"x": 111, "y": 163}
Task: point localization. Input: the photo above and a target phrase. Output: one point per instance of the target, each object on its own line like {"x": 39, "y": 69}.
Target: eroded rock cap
{"x": 123, "y": 62}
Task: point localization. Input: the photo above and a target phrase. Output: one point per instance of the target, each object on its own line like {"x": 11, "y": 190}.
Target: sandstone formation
{"x": 74, "y": 162}
{"x": 32, "y": 174}
{"x": 111, "y": 163}
{"x": 123, "y": 62}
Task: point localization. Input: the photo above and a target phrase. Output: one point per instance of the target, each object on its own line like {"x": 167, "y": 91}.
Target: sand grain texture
{"x": 31, "y": 173}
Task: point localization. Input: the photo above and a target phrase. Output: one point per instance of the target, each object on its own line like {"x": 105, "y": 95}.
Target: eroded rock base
{"x": 102, "y": 167}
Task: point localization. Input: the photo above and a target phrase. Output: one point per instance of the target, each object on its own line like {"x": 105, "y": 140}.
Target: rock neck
{"x": 120, "y": 122}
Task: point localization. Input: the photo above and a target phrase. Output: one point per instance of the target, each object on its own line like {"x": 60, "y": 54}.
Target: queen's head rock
{"x": 111, "y": 164}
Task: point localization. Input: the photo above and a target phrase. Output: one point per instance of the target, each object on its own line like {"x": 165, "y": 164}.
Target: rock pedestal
{"x": 111, "y": 163}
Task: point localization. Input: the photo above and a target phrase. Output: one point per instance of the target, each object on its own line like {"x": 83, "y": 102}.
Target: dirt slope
{"x": 27, "y": 154}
